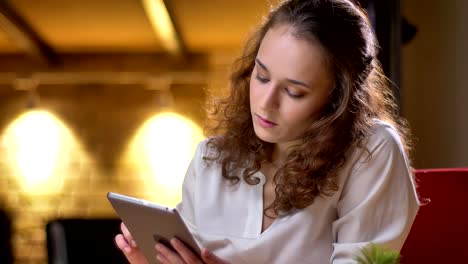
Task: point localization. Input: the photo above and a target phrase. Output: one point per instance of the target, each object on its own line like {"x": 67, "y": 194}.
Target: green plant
{"x": 378, "y": 255}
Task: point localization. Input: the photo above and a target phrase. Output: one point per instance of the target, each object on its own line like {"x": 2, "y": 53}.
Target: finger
{"x": 167, "y": 253}
{"x": 187, "y": 255}
{"x": 209, "y": 258}
{"x": 161, "y": 258}
{"x": 128, "y": 236}
{"x": 133, "y": 255}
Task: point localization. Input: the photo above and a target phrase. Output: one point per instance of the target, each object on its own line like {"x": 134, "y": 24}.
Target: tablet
{"x": 150, "y": 223}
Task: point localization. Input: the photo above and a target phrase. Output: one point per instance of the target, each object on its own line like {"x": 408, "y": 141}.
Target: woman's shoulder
{"x": 383, "y": 132}
{"x": 382, "y": 138}
{"x": 207, "y": 149}
{"x": 382, "y": 148}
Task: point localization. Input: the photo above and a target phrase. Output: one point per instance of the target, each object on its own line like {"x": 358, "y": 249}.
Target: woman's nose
{"x": 270, "y": 98}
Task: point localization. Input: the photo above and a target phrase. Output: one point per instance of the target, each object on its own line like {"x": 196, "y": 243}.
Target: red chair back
{"x": 440, "y": 231}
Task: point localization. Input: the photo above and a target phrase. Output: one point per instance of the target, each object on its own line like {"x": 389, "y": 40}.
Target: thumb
{"x": 133, "y": 254}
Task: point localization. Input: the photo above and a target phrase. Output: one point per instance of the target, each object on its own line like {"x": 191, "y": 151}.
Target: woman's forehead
{"x": 289, "y": 56}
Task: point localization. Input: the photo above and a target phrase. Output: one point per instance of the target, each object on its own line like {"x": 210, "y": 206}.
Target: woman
{"x": 310, "y": 163}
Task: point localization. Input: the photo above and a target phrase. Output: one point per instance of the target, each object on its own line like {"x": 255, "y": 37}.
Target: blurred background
{"x": 108, "y": 95}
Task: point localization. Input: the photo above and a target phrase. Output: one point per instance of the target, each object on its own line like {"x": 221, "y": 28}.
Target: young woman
{"x": 309, "y": 162}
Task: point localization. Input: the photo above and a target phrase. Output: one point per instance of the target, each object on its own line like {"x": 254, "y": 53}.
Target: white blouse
{"x": 376, "y": 201}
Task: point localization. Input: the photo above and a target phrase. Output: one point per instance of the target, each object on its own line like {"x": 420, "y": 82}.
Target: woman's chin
{"x": 267, "y": 137}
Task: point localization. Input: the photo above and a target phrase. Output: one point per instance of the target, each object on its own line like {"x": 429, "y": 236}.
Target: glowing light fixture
{"x": 163, "y": 147}
{"x": 34, "y": 141}
{"x": 161, "y": 22}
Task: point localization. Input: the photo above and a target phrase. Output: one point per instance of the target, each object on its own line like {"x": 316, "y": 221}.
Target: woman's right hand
{"x": 128, "y": 246}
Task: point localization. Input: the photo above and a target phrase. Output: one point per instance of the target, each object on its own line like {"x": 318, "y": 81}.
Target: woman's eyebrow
{"x": 296, "y": 82}
{"x": 259, "y": 63}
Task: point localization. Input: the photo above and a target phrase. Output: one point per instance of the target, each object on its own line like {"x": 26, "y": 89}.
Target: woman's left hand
{"x": 185, "y": 255}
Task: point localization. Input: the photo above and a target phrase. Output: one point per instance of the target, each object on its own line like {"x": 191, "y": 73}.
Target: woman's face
{"x": 289, "y": 86}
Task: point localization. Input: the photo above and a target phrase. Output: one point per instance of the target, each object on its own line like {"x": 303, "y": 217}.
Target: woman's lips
{"x": 265, "y": 122}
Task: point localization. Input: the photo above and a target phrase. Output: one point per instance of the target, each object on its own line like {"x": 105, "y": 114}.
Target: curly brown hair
{"x": 360, "y": 95}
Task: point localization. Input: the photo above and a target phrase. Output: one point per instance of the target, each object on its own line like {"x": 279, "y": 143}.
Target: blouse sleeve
{"x": 186, "y": 207}
{"x": 378, "y": 202}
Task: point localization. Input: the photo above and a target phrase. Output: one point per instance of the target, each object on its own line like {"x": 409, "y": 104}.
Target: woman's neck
{"x": 281, "y": 152}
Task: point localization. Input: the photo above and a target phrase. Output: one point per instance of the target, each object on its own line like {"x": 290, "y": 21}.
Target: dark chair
{"x": 440, "y": 231}
{"x": 6, "y": 247}
{"x": 78, "y": 241}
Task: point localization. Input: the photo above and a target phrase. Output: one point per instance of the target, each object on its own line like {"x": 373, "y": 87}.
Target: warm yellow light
{"x": 161, "y": 22}
{"x": 34, "y": 144}
{"x": 163, "y": 148}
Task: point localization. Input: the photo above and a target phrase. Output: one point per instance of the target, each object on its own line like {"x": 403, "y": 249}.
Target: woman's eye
{"x": 261, "y": 79}
{"x": 293, "y": 94}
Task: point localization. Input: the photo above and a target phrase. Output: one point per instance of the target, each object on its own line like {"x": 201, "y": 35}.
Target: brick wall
{"x": 103, "y": 118}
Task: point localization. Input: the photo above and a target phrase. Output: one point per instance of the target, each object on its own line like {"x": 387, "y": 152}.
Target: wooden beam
{"x": 161, "y": 18}
{"x": 149, "y": 69}
{"x": 176, "y": 26}
{"x": 134, "y": 62}
{"x": 25, "y": 36}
